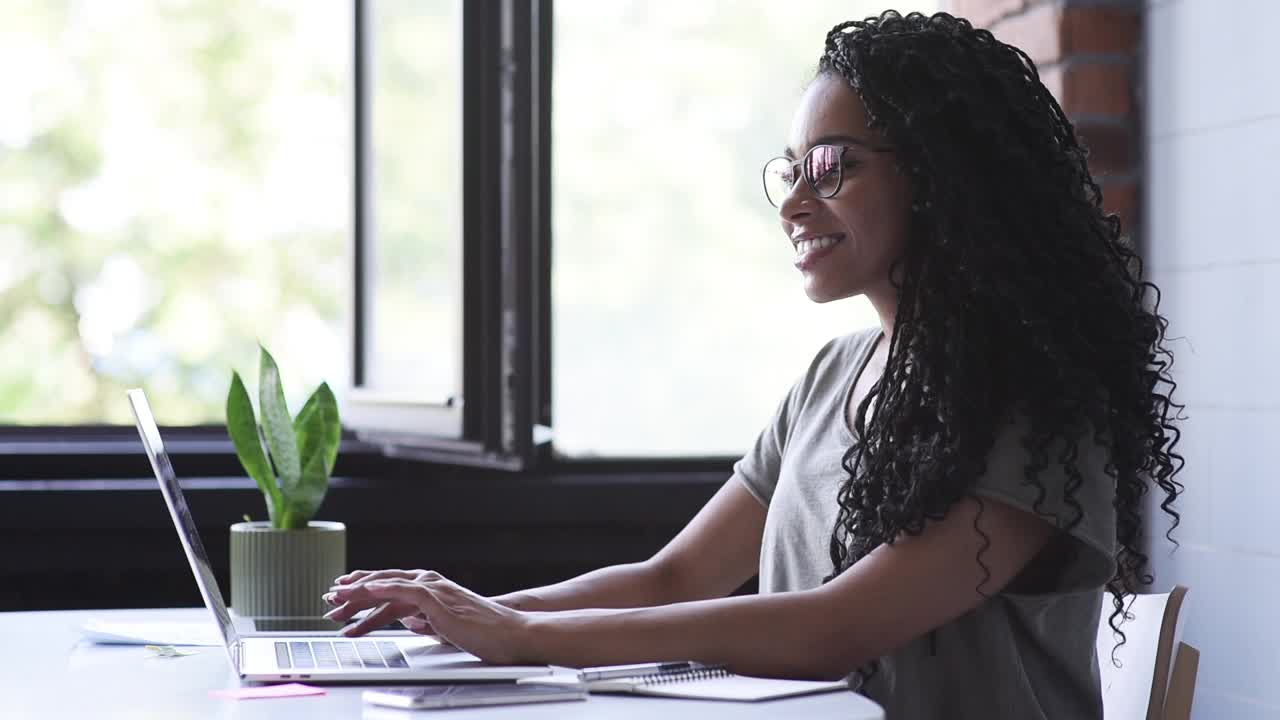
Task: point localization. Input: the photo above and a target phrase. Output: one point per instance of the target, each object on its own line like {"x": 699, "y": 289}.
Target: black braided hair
{"x": 1017, "y": 293}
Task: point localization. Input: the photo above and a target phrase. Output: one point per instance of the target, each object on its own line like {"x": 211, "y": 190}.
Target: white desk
{"x": 47, "y": 671}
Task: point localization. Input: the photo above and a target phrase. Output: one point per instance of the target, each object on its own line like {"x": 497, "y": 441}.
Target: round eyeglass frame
{"x": 803, "y": 162}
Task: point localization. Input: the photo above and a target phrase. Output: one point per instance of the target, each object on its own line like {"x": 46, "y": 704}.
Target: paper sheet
{"x": 151, "y": 633}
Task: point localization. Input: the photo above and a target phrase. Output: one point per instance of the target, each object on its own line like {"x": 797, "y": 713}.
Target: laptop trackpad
{"x": 437, "y": 655}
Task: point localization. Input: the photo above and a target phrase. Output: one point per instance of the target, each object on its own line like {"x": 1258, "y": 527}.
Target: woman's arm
{"x": 712, "y": 556}
{"x": 893, "y": 595}
{"x": 616, "y": 586}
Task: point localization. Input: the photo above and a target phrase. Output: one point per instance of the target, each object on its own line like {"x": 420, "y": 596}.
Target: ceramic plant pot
{"x": 283, "y": 573}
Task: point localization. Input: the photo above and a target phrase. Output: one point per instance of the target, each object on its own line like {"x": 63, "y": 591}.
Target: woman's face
{"x": 867, "y": 217}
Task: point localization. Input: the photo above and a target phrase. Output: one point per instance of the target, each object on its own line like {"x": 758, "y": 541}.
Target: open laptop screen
{"x": 181, "y": 515}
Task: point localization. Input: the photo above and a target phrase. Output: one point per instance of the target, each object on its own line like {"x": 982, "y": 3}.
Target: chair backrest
{"x": 1182, "y": 683}
{"x": 1137, "y": 688}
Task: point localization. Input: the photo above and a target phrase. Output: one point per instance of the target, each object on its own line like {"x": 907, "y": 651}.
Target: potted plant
{"x": 282, "y": 566}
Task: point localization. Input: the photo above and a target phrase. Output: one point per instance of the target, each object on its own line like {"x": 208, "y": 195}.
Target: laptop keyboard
{"x": 339, "y": 655}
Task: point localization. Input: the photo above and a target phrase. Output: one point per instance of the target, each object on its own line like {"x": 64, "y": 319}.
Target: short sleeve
{"x": 1005, "y": 479}
{"x": 758, "y": 469}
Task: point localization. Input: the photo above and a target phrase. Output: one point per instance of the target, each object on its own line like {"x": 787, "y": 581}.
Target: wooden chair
{"x": 1153, "y": 682}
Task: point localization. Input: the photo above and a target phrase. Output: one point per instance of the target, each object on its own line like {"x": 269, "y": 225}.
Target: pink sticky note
{"x": 267, "y": 691}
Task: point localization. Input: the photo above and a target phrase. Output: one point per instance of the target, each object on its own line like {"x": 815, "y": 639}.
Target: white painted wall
{"x": 1212, "y": 104}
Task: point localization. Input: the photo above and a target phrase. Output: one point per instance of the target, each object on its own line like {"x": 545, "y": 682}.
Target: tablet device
{"x": 421, "y": 697}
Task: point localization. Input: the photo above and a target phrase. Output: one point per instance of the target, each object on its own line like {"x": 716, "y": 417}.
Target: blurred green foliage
{"x": 175, "y": 191}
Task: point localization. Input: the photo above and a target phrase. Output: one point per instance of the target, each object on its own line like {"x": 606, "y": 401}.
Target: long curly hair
{"x": 1017, "y": 293}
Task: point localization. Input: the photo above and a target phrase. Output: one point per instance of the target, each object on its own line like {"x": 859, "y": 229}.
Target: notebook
{"x": 713, "y": 683}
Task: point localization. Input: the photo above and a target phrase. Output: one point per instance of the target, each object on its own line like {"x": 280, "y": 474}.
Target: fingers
{"x": 357, "y": 575}
{"x": 408, "y": 600}
{"x": 418, "y": 624}
{"x": 393, "y": 591}
{"x": 396, "y": 594}
{"x": 344, "y": 611}
{"x": 385, "y": 613}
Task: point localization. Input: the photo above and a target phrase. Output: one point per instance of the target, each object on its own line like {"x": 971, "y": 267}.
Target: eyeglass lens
{"x": 820, "y": 167}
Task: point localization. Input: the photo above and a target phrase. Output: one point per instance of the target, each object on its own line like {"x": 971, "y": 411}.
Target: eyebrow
{"x": 833, "y": 140}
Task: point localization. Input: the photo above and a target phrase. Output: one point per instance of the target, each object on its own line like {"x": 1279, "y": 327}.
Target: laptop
{"x": 314, "y": 657}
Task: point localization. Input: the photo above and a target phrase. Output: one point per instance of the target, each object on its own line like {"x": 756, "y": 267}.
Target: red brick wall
{"x": 1086, "y": 52}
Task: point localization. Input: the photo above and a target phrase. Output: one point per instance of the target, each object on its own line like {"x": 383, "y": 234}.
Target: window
{"x": 679, "y": 319}
{"x": 185, "y": 180}
{"x": 408, "y": 303}
{"x": 414, "y": 200}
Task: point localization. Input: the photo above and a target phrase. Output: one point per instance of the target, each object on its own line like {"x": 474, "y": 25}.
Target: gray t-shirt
{"x": 1014, "y": 656}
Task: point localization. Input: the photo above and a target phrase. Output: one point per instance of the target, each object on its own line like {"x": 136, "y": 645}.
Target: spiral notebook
{"x": 712, "y": 683}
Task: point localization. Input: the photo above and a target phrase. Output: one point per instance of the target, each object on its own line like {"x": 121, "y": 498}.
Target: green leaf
{"x": 278, "y": 428}
{"x": 302, "y": 505}
{"x": 318, "y": 429}
{"x": 243, "y": 429}
{"x": 289, "y": 521}
{"x": 318, "y": 432}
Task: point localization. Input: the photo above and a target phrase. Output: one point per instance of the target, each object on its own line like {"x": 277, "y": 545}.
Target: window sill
{"x": 440, "y": 496}
{"x": 108, "y": 542}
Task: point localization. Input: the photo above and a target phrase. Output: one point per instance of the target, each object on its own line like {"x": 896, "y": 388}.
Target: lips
{"x": 810, "y": 250}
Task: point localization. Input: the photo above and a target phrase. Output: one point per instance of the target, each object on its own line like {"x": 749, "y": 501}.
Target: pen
{"x": 620, "y": 671}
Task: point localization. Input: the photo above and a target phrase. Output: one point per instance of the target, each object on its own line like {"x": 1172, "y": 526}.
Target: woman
{"x": 938, "y": 502}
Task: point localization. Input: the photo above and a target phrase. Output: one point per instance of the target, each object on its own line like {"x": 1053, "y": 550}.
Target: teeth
{"x": 825, "y": 241}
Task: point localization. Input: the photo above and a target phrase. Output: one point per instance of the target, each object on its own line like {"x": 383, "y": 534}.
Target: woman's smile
{"x": 809, "y": 251}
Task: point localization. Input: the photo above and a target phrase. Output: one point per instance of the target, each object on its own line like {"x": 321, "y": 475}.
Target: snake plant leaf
{"x": 302, "y": 504}
{"x": 243, "y": 429}
{"x": 277, "y": 426}
{"x": 318, "y": 428}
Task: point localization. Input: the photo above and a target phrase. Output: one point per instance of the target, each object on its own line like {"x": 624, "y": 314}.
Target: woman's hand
{"x": 435, "y": 605}
{"x": 385, "y": 613}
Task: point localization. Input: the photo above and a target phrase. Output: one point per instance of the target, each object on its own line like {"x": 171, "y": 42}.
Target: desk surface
{"x": 47, "y": 671}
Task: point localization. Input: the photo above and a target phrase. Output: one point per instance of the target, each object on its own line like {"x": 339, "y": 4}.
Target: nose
{"x": 797, "y": 204}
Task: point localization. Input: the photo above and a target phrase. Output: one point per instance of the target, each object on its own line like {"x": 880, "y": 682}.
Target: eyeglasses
{"x": 822, "y": 168}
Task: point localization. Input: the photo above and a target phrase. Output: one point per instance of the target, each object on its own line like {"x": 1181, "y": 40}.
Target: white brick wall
{"x": 1212, "y": 109}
